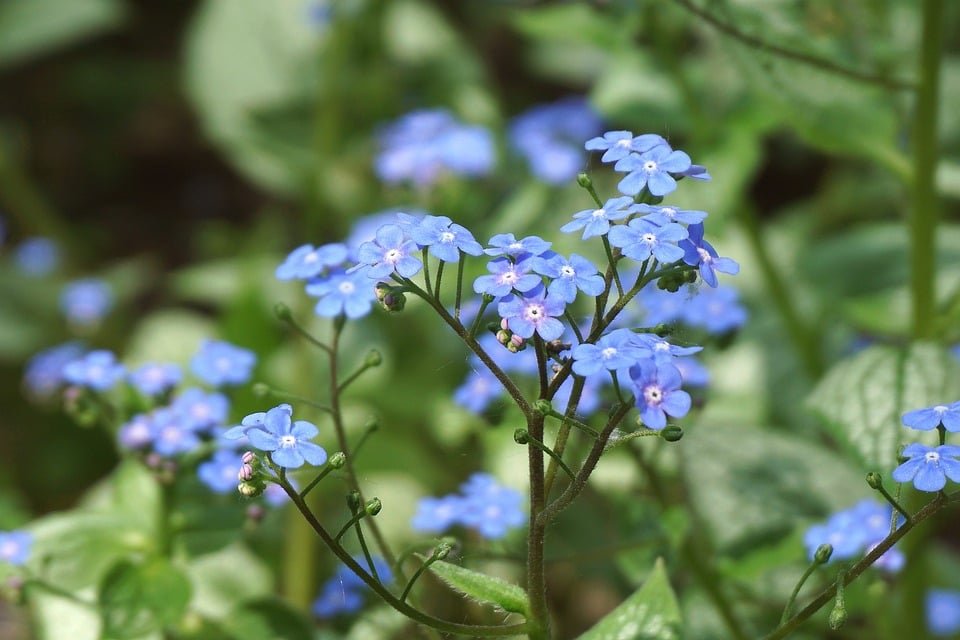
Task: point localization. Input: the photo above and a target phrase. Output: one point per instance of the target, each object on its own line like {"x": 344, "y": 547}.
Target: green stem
{"x": 355, "y": 519}
{"x": 560, "y": 443}
{"x": 426, "y": 272}
{"x": 456, "y": 303}
{"x": 536, "y": 578}
{"x": 613, "y": 264}
{"x": 796, "y": 590}
{"x": 484, "y": 303}
{"x": 436, "y": 287}
{"x": 320, "y": 476}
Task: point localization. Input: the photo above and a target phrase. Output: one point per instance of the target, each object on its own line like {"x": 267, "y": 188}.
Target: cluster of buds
{"x": 390, "y": 298}
{"x": 251, "y": 479}
{"x": 507, "y": 338}
{"x": 673, "y": 281}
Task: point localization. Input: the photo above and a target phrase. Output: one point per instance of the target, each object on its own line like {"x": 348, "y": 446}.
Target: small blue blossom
{"x": 219, "y": 473}
{"x": 658, "y": 393}
{"x": 569, "y": 276}
{"x": 615, "y": 351}
{"x": 534, "y": 312}
{"x": 155, "y": 378}
{"x": 929, "y": 467}
{"x": 202, "y": 410}
{"x": 590, "y": 396}
{"x": 943, "y": 612}
{"x": 44, "y": 371}
{"x": 436, "y": 515}
{"x": 549, "y": 136}
{"x": 662, "y": 351}
{"x": 479, "y": 389}
{"x": 37, "y": 256}
{"x": 307, "y": 261}
{"x": 696, "y": 172}
{"x": 652, "y": 170}
{"x": 445, "y": 238}
{"x": 661, "y": 215}
{"x": 86, "y": 302}
{"x": 137, "y": 433}
{"x": 640, "y": 240}
{"x": 505, "y": 244}
{"x": 220, "y": 363}
{"x": 98, "y": 370}
{"x": 15, "y": 547}
{"x": 349, "y": 294}
{"x": 661, "y": 306}
{"x": 506, "y": 276}
{"x": 288, "y": 442}
{"x": 932, "y": 417}
{"x": 275, "y": 496}
{"x": 390, "y": 252}
{"x": 172, "y": 433}
{"x": 699, "y": 252}
{"x": 490, "y": 508}
{"x": 365, "y": 229}
{"x": 617, "y": 145}
{"x": 692, "y": 372}
{"x": 716, "y": 310}
{"x": 335, "y": 600}
{"x": 855, "y": 531}
{"x": 596, "y": 222}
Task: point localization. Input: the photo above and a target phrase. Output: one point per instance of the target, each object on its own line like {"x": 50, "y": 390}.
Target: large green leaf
{"x": 215, "y": 586}
{"x": 751, "y": 486}
{"x": 268, "y": 619}
{"x": 31, "y": 27}
{"x": 862, "y": 398}
{"x": 56, "y": 617}
{"x": 651, "y": 613}
{"x": 482, "y": 587}
{"x": 138, "y": 599}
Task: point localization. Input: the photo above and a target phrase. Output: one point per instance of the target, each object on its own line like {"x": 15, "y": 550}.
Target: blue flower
{"x": 716, "y": 310}
{"x": 350, "y": 294}
{"x": 661, "y": 306}
{"x": 98, "y": 370}
{"x": 445, "y": 238}
{"x": 137, "y": 433}
{"x": 287, "y": 441}
{"x": 596, "y": 222}
{"x": 506, "y": 276}
{"x": 436, "y": 515}
{"x": 172, "y": 433}
{"x": 37, "y": 256}
{"x": 365, "y": 229}
{"x": 617, "y": 145}
{"x": 390, "y": 252}
{"x": 478, "y": 390}
{"x": 699, "y": 252}
{"x": 692, "y": 372}
{"x": 658, "y": 393}
{"x": 15, "y": 547}
{"x": 307, "y": 262}
{"x": 569, "y": 275}
{"x": 44, "y": 371}
{"x": 640, "y": 240}
{"x": 220, "y": 363}
{"x": 590, "y": 397}
{"x": 660, "y": 215}
{"x": 855, "y": 531}
{"x": 932, "y": 417}
{"x": 534, "y": 312}
{"x": 696, "y": 172}
{"x": 86, "y": 302}
{"x": 202, "y": 410}
{"x": 219, "y": 473}
{"x": 154, "y": 378}
{"x": 490, "y": 508}
{"x": 549, "y": 136}
{"x": 663, "y": 352}
{"x": 929, "y": 467}
{"x": 943, "y": 612}
{"x": 614, "y": 351}
{"x": 504, "y": 244}
{"x": 335, "y": 600}
{"x": 652, "y": 170}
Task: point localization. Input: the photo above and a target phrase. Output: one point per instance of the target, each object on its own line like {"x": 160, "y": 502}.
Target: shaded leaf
{"x": 651, "y": 613}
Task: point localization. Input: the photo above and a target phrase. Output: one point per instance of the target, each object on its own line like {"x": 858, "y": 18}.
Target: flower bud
{"x": 557, "y": 346}
{"x": 153, "y": 460}
{"x": 691, "y": 276}
{"x": 245, "y": 474}
{"x": 516, "y": 341}
{"x": 373, "y": 506}
{"x": 394, "y": 302}
{"x": 543, "y": 407}
{"x": 671, "y": 433}
{"x": 353, "y": 501}
{"x": 337, "y": 460}
{"x": 503, "y": 337}
{"x": 372, "y": 425}
{"x": 373, "y": 359}
{"x": 256, "y": 513}
{"x": 838, "y": 616}
{"x": 261, "y": 390}
{"x": 248, "y": 457}
{"x": 442, "y": 550}
{"x": 282, "y": 312}
{"x": 251, "y": 489}
{"x": 900, "y": 457}
{"x": 381, "y": 290}
{"x": 823, "y": 553}
{"x": 584, "y": 180}
{"x": 504, "y": 324}
{"x": 875, "y": 480}
{"x": 521, "y": 436}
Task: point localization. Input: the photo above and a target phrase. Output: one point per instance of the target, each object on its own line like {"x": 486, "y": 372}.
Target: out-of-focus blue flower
{"x": 335, "y": 600}
{"x": 658, "y": 393}
{"x": 423, "y": 145}
{"x": 855, "y": 531}
{"x": 98, "y": 370}
{"x": 479, "y": 389}
{"x": 506, "y": 276}
{"x": 534, "y": 312}
{"x": 154, "y": 378}
{"x": 699, "y": 252}
{"x": 15, "y": 547}
{"x": 202, "y": 410}
{"x": 436, "y": 515}
{"x": 661, "y": 306}
{"x": 615, "y": 351}
{"x": 640, "y": 240}
{"x": 349, "y": 294}
{"x": 569, "y": 276}
{"x": 307, "y": 261}
{"x": 661, "y": 215}
{"x": 692, "y": 372}
{"x": 617, "y": 145}
{"x": 596, "y": 222}
{"x": 44, "y": 371}
{"x": 220, "y": 363}
{"x": 37, "y": 256}
{"x": 549, "y": 137}
{"x": 219, "y": 473}
{"x": 275, "y": 496}
{"x": 652, "y": 170}
{"x": 172, "y": 433}
{"x": 932, "y": 417}
{"x": 490, "y": 508}
{"x": 590, "y": 397}
{"x": 445, "y": 238}
{"x": 391, "y": 251}
{"x": 929, "y": 467}
{"x": 288, "y": 442}
{"x": 943, "y": 612}
{"x": 87, "y": 301}
{"x": 716, "y": 310}
{"x": 137, "y": 433}
{"x": 505, "y": 244}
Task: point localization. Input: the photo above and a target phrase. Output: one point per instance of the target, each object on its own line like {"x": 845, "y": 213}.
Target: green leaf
{"x": 651, "y": 613}
{"x": 31, "y": 27}
{"x": 574, "y": 23}
{"x": 137, "y": 599}
{"x": 862, "y": 398}
{"x": 216, "y": 588}
{"x": 136, "y": 496}
{"x": 56, "y": 617}
{"x": 482, "y": 587}
{"x": 268, "y": 619}
{"x": 751, "y": 486}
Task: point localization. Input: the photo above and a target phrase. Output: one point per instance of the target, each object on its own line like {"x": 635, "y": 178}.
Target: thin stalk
{"x": 613, "y": 264}
{"x": 320, "y": 476}
{"x": 484, "y": 303}
{"x": 436, "y": 287}
{"x": 426, "y": 273}
{"x": 363, "y": 544}
{"x": 536, "y": 578}
{"x": 560, "y": 443}
{"x": 531, "y": 442}
{"x": 288, "y": 318}
{"x": 456, "y": 303}
{"x": 796, "y": 590}
{"x": 356, "y": 518}
{"x": 573, "y": 325}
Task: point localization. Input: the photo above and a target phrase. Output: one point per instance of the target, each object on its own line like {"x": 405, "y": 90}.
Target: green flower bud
{"x": 353, "y": 500}
{"x": 875, "y": 480}
{"x": 543, "y": 407}
{"x": 251, "y": 489}
{"x": 372, "y": 424}
{"x": 823, "y": 553}
{"x": 373, "y": 359}
{"x": 394, "y": 302}
{"x": 442, "y": 550}
{"x": 521, "y": 436}
{"x": 584, "y": 180}
{"x": 373, "y": 506}
{"x": 381, "y": 290}
{"x": 337, "y": 460}
{"x": 838, "y": 616}
{"x": 691, "y": 276}
{"x": 282, "y": 312}
{"x": 671, "y": 433}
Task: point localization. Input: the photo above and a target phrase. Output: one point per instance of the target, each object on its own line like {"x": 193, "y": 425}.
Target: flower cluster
{"x": 43, "y": 375}
{"x": 548, "y": 136}
{"x": 483, "y": 505}
{"x": 344, "y": 592}
{"x": 930, "y": 467}
{"x": 193, "y": 416}
{"x": 855, "y": 531}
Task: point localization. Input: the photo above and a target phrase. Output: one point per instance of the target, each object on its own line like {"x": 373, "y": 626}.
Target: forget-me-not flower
{"x": 534, "y": 312}
{"x": 490, "y": 508}
{"x": 569, "y": 275}
{"x": 549, "y": 137}
{"x": 929, "y": 467}
{"x": 218, "y": 363}
{"x": 15, "y": 547}
{"x": 614, "y": 351}
{"x": 661, "y": 215}
{"x": 716, "y": 310}
{"x": 37, "y": 256}
{"x": 640, "y": 240}
{"x": 943, "y": 612}
{"x": 288, "y": 442}
{"x": 391, "y": 251}
{"x": 596, "y": 222}
{"x": 172, "y": 433}
{"x": 506, "y": 276}
{"x": 44, "y": 371}
{"x": 697, "y": 252}
{"x": 307, "y": 261}
{"x": 658, "y": 393}
{"x": 98, "y": 370}
{"x": 219, "y": 473}
{"x": 931, "y": 417}
{"x": 154, "y": 378}
{"x": 505, "y": 244}
{"x": 652, "y": 170}
{"x": 617, "y": 145}
{"x": 200, "y": 409}
{"x": 87, "y": 301}
{"x": 137, "y": 433}
{"x": 479, "y": 389}
{"x": 436, "y": 515}
{"x": 445, "y": 238}
{"x": 349, "y": 294}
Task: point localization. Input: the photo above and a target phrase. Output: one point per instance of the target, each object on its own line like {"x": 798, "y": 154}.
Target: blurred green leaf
{"x": 862, "y": 397}
{"x": 269, "y": 619}
{"x": 482, "y": 587}
{"x": 60, "y": 618}
{"x": 651, "y": 613}
{"x": 216, "y": 587}
{"x": 32, "y": 27}
{"x": 574, "y": 23}
{"x": 137, "y": 599}
{"x": 136, "y": 496}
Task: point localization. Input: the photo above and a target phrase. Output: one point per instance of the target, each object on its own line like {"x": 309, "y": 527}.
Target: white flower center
{"x": 625, "y": 143}
{"x": 652, "y": 394}
{"x": 650, "y": 166}
{"x": 346, "y": 287}
{"x": 534, "y": 312}
{"x": 172, "y": 434}
{"x": 392, "y": 256}
{"x": 649, "y": 238}
{"x": 95, "y": 372}
{"x": 515, "y": 246}
{"x": 200, "y": 410}
{"x": 704, "y": 255}
{"x": 608, "y": 353}
{"x": 661, "y": 346}
{"x": 9, "y": 549}
{"x": 941, "y": 409}
{"x": 311, "y": 257}
{"x": 288, "y": 441}
{"x": 931, "y": 456}
{"x": 447, "y": 236}
{"x": 222, "y": 363}
{"x": 566, "y": 271}
{"x": 669, "y": 212}
{"x": 508, "y": 277}
{"x": 599, "y": 213}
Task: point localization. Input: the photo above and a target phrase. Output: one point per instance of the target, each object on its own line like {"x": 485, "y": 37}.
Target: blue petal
{"x": 287, "y": 457}
{"x": 929, "y": 477}
{"x": 312, "y": 453}
{"x": 262, "y": 440}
